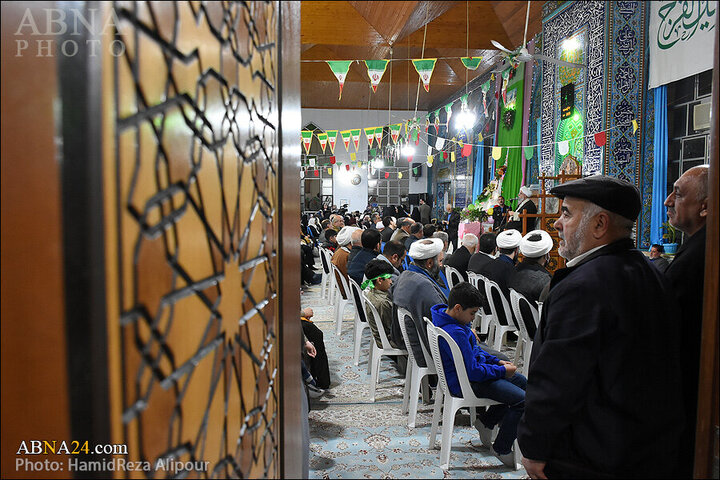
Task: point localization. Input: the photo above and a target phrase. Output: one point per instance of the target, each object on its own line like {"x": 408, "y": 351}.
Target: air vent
{"x": 701, "y": 116}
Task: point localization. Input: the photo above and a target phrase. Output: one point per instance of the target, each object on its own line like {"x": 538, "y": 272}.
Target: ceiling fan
{"x": 520, "y": 54}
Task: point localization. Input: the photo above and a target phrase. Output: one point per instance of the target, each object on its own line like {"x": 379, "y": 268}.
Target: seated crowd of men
{"x": 605, "y": 364}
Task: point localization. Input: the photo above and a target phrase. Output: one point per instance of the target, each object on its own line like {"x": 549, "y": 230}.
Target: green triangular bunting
{"x": 425, "y": 69}
{"x": 376, "y": 69}
{"x": 471, "y": 63}
{"x": 340, "y": 69}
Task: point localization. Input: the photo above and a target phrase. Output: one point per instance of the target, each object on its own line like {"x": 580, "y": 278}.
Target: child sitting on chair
{"x": 377, "y": 290}
{"x": 489, "y": 376}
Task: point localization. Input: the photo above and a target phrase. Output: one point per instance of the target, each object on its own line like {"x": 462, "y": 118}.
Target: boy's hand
{"x": 509, "y": 369}
{"x": 504, "y": 362}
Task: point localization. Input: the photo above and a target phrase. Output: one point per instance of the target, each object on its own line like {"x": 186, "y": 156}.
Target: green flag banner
{"x": 425, "y": 68}
{"x": 448, "y": 110}
{"x": 376, "y": 69}
{"x": 529, "y": 152}
{"x": 471, "y": 63}
{"x": 307, "y": 139}
{"x": 340, "y": 69}
{"x": 485, "y": 87}
{"x": 346, "y": 137}
{"x": 370, "y": 135}
{"x": 355, "y": 132}
{"x": 395, "y": 131}
{"x": 378, "y": 136}
{"x": 332, "y": 138}
{"x": 322, "y": 138}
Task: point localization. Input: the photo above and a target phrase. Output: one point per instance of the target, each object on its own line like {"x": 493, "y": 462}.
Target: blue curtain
{"x": 658, "y": 216}
{"x": 478, "y": 172}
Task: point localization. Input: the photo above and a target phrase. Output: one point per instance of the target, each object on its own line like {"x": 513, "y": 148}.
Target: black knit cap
{"x": 610, "y": 193}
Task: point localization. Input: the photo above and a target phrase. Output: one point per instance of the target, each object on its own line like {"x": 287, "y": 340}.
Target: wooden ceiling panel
{"x": 347, "y": 52}
{"x": 512, "y": 16}
{"x": 425, "y": 12}
{"x": 450, "y": 30}
{"x": 388, "y": 18}
{"x": 358, "y": 95}
{"x": 335, "y": 22}
{"x": 362, "y": 30}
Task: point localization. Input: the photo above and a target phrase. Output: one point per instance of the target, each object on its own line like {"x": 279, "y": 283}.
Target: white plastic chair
{"x": 482, "y": 318}
{"x": 326, "y": 260}
{"x": 501, "y": 324}
{"x": 525, "y": 342}
{"x": 453, "y": 276}
{"x": 376, "y": 352}
{"x": 415, "y": 376}
{"x": 361, "y": 319}
{"x": 443, "y": 397}
{"x": 341, "y": 302}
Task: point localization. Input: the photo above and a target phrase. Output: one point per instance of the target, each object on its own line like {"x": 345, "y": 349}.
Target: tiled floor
{"x": 350, "y": 437}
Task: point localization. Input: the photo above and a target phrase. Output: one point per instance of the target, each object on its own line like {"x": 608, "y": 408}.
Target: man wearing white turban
{"x": 344, "y": 238}
{"x": 501, "y": 269}
{"x": 527, "y": 206}
{"x": 418, "y": 289}
{"x": 531, "y": 276}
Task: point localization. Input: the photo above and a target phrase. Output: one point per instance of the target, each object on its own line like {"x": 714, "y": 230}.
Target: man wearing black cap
{"x": 604, "y": 366}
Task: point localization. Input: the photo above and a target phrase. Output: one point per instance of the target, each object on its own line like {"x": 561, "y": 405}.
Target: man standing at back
{"x": 604, "y": 387}
{"x": 687, "y": 211}
{"x": 425, "y": 210}
{"x": 452, "y": 223}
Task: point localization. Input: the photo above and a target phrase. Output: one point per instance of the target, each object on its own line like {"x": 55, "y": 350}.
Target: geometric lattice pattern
{"x": 195, "y": 94}
{"x": 628, "y": 98}
{"x": 563, "y": 23}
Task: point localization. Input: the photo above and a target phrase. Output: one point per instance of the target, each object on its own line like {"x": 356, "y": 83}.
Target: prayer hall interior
{"x": 508, "y": 227}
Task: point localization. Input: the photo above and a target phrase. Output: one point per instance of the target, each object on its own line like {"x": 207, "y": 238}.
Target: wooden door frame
{"x": 707, "y": 416}
{"x": 291, "y": 441}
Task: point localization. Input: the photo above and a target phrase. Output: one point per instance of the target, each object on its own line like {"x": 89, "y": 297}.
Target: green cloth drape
{"x": 513, "y": 137}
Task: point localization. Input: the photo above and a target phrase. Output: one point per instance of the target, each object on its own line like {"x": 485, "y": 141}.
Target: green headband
{"x": 370, "y": 281}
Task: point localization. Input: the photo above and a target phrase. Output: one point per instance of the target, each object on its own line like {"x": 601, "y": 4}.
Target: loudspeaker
{"x": 417, "y": 170}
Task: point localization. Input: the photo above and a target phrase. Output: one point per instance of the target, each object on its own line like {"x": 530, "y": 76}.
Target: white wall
{"x": 337, "y": 119}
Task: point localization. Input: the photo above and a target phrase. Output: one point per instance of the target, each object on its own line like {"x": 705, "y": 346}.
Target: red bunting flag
{"x": 387, "y": 174}
{"x": 466, "y": 150}
{"x": 332, "y": 160}
{"x": 409, "y": 158}
{"x": 600, "y": 139}
{"x": 445, "y": 155}
{"x": 317, "y": 172}
{"x": 347, "y": 167}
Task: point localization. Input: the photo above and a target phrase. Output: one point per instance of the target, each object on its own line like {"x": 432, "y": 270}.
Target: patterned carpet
{"x": 350, "y": 437}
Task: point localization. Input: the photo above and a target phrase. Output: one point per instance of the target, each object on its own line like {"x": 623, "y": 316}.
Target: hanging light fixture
{"x": 465, "y": 120}
{"x": 408, "y": 150}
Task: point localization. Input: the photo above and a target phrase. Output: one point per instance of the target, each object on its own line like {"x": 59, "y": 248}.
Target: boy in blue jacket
{"x": 489, "y": 376}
